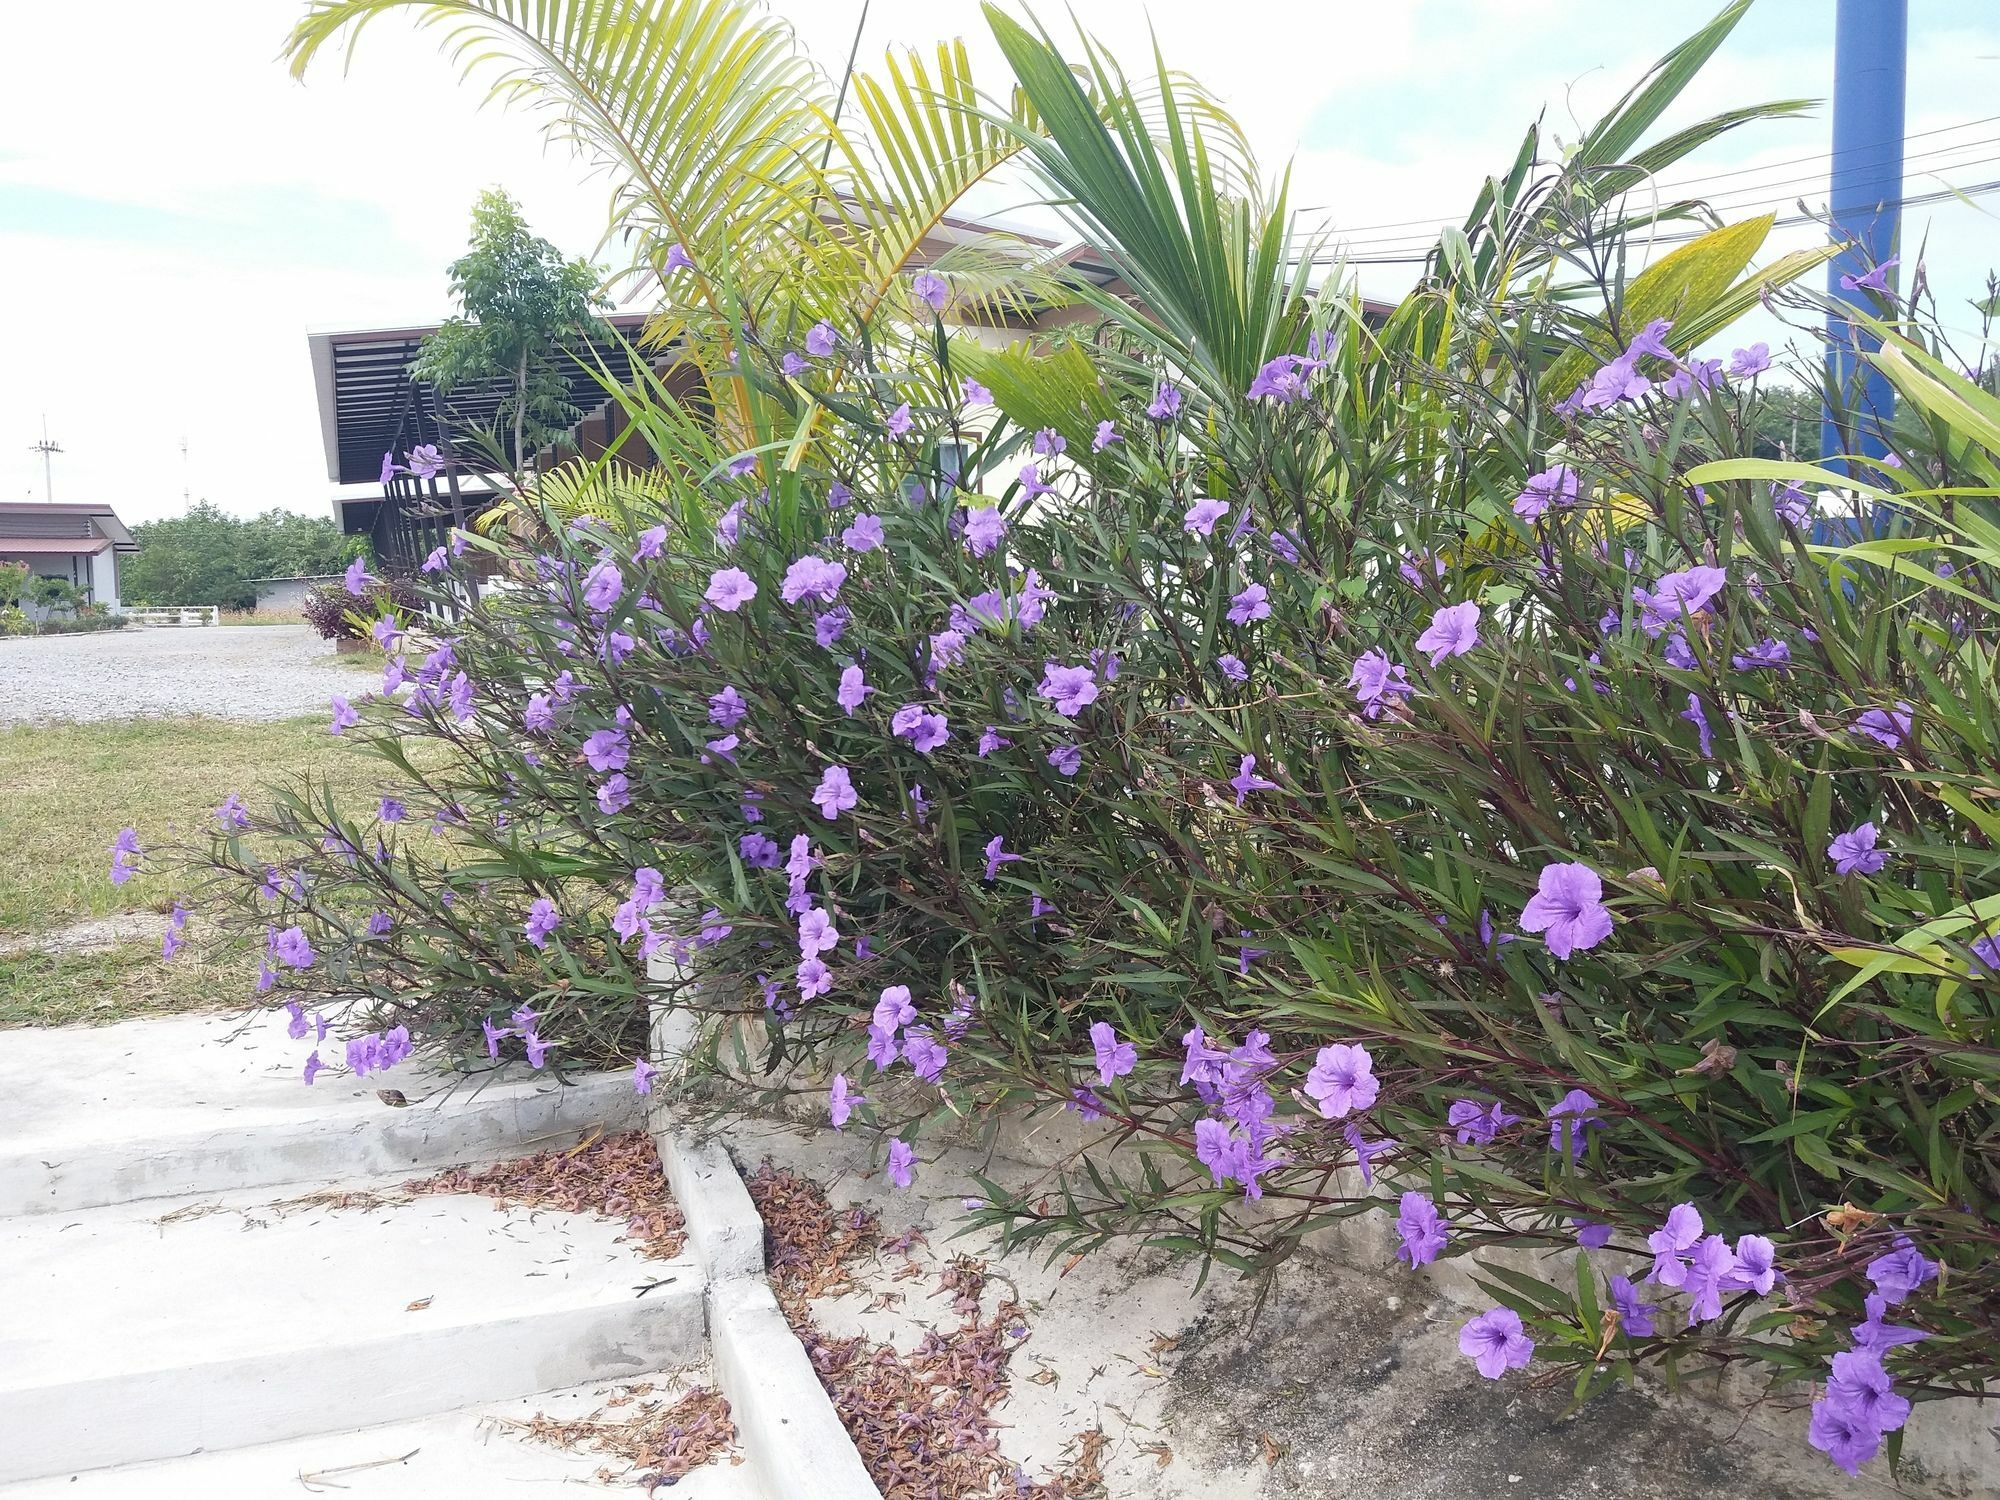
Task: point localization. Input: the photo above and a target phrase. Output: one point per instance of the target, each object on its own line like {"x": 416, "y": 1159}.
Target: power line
{"x": 1682, "y": 186}
{"x": 1977, "y": 190}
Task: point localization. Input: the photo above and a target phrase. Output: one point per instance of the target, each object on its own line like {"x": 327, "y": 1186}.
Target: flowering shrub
{"x": 1430, "y": 760}
{"x": 344, "y": 611}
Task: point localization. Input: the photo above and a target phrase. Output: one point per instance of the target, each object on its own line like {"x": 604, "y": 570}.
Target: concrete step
{"x": 151, "y": 1331}
{"x": 470, "y": 1454}
{"x": 160, "y": 1108}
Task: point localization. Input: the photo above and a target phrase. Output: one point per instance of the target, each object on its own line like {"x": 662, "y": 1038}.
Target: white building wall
{"x": 103, "y": 578}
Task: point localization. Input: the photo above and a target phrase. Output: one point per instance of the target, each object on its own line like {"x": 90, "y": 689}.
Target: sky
{"x": 176, "y": 212}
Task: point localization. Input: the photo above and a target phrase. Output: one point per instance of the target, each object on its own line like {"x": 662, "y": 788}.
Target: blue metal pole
{"x": 1870, "y": 51}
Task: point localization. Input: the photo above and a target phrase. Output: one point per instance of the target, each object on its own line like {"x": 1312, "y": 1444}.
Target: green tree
{"x": 210, "y": 557}
{"x": 1785, "y": 423}
{"x": 520, "y": 306}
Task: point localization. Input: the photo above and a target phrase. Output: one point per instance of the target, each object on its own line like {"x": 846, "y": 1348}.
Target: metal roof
{"x": 54, "y": 546}
{"x": 363, "y": 383}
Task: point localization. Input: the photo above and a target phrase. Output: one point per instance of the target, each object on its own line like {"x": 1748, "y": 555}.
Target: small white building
{"x": 78, "y": 542}
{"x": 288, "y": 595}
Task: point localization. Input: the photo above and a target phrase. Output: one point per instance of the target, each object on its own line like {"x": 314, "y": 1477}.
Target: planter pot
{"x": 348, "y": 646}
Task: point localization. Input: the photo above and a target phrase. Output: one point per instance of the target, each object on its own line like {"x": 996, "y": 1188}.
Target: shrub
{"x": 338, "y": 615}
{"x": 81, "y": 624}
{"x": 1435, "y": 750}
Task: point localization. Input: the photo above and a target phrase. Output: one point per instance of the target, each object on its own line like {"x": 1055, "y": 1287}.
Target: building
{"x": 288, "y": 595}
{"x": 78, "y": 542}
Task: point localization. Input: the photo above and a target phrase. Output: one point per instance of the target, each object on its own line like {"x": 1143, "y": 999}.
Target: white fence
{"x": 185, "y": 614}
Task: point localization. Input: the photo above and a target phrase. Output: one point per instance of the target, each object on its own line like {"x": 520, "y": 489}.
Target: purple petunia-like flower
{"x": 293, "y": 949}
{"x": 1496, "y": 1342}
{"x": 821, "y": 339}
{"x": 1854, "y": 852}
{"x": 813, "y": 578}
{"x": 1069, "y": 690}
{"x": 1378, "y": 683}
{"x": 345, "y": 717}
{"x": 1696, "y": 716}
{"x": 543, "y": 919}
{"x": 1423, "y": 1232}
{"x": 1476, "y": 1124}
{"x": 1232, "y": 667}
{"x": 356, "y": 579}
{"x": 835, "y": 793}
{"x": 758, "y": 851}
{"x": 1886, "y": 727}
{"x": 726, "y": 709}
{"x": 603, "y": 586}
{"x": 924, "y": 729}
{"x": 902, "y": 1161}
{"x": 1555, "y": 486}
{"x": 1246, "y": 780}
{"x": 1635, "y": 1318}
{"x": 1283, "y": 380}
{"x": 997, "y": 855}
{"x": 1115, "y": 1059}
{"x": 1845, "y": 1436}
{"x": 1874, "y": 280}
{"x": 124, "y": 855}
{"x": 984, "y": 530}
{"x": 1202, "y": 516}
{"x": 1571, "y": 1119}
{"x": 1756, "y": 1266}
{"x": 864, "y": 535}
{"x": 1671, "y": 1243}
{"x": 831, "y": 625}
{"x": 1454, "y": 630}
{"x": 935, "y": 290}
{"x": 729, "y": 589}
{"x": 854, "y": 690}
{"x": 1677, "y": 598}
{"x": 1067, "y": 759}
{"x": 1901, "y": 1271}
{"x": 992, "y": 739}
{"x": 1568, "y": 905}
{"x": 1342, "y": 1080}
{"x": 1166, "y": 403}
{"x": 840, "y": 1101}
{"x": 1766, "y": 653}
{"x": 899, "y": 421}
{"x": 1252, "y": 604}
{"x": 1755, "y": 360}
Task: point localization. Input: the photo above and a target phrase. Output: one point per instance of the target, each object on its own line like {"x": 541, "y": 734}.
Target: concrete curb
{"x": 723, "y": 1227}
{"x": 40, "y": 1177}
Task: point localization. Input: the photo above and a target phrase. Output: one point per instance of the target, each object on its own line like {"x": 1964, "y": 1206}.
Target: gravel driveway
{"x": 230, "y": 671}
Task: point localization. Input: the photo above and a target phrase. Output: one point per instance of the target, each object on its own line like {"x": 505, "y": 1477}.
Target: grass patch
{"x": 70, "y": 788}
{"x": 211, "y": 972}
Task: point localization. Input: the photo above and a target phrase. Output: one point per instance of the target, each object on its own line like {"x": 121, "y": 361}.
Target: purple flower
{"x": 813, "y": 578}
{"x": 1033, "y": 601}
{"x": 1454, "y": 630}
{"x": 344, "y": 715}
{"x": 356, "y": 577}
{"x": 177, "y": 922}
{"x": 603, "y": 585}
{"x": 1232, "y": 667}
{"x": 1423, "y": 1232}
{"x": 1555, "y": 486}
{"x": 726, "y": 708}
{"x": 1887, "y": 727}
{"x": 821, "y": 339}
{"x": 1070, "y": 690}
{"x": 1166, "y": 403}
{"x": 1854, "y": 852}
{"x": 1678, "y": 597}
{"x": 1843, "y": 1435}
{"x": 1378, "y": 683}
{"x": 1202, "y": 516}
{"x": 1708, "y": 1274}
{"x": 923, "y": 729}
{"x": 835, "y": 793}
{"x": 1671, "y": 1242}
{"x": 1572, "y": 1118}
{"x": 1115, "y": 1059}
{"x": 984, "y": 529}
{"x": 537, "y": 1047}
{"x": 1496, "y": 1342}
{"x": 1635, "y": 1318}
{"x": 1880, "y": 1336}
{"x": 830, "y": 626}
{"x": 935, "y": 290}
{"x": 124, "y": 855}
{"x": 1756, "y": 1268}
{"x": 996, "y": 856}
{"x": 1477, "y": 1124}
{"x": 972, "y": 393}
{"x": 899, "y": 421}
{"x": 864, "y": 535}
{"x": 901, "y": 1160}
{"x": 854, "y": 690}
{"x": 1342, "y": 1080}
{"x": 1703, "y": 735}
{"x": 1246, "y": 780}
{"x": 1365, "y": 1151}
{"x": 1252, "y": 604}
{"x": 1107, "y": 434}
{"x": 814, "y": 978}
{"x": 543, "y": 919}
{"x": 1744, "y": 363}
{"x": 992, "y": 740}
{"x": 758, "y": 851}
{"x": 729, "y": 589}
{"x": 1067, "y": 759}
{"x": 1695, "y": 375}
{"x": 1876, "y": 280}
{"x": 924, "y": 1053}
{"x": 607, "y": 750}
{"x": 1283, "y": 380}
{"x": 1766, "y": 653}
{"x": 1568, "y": 905}
{"x": 840, "y": 1101}
{"x": 1791, "y": 503}
{"x": 292, "y": 948}
{"x": 1901, "y": 1271}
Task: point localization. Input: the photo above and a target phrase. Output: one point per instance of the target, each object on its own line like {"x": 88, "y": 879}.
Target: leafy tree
{"x": 521, "y": 305}
{"x": 1785, "y": 423}
{"x": 210, "y": 557}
